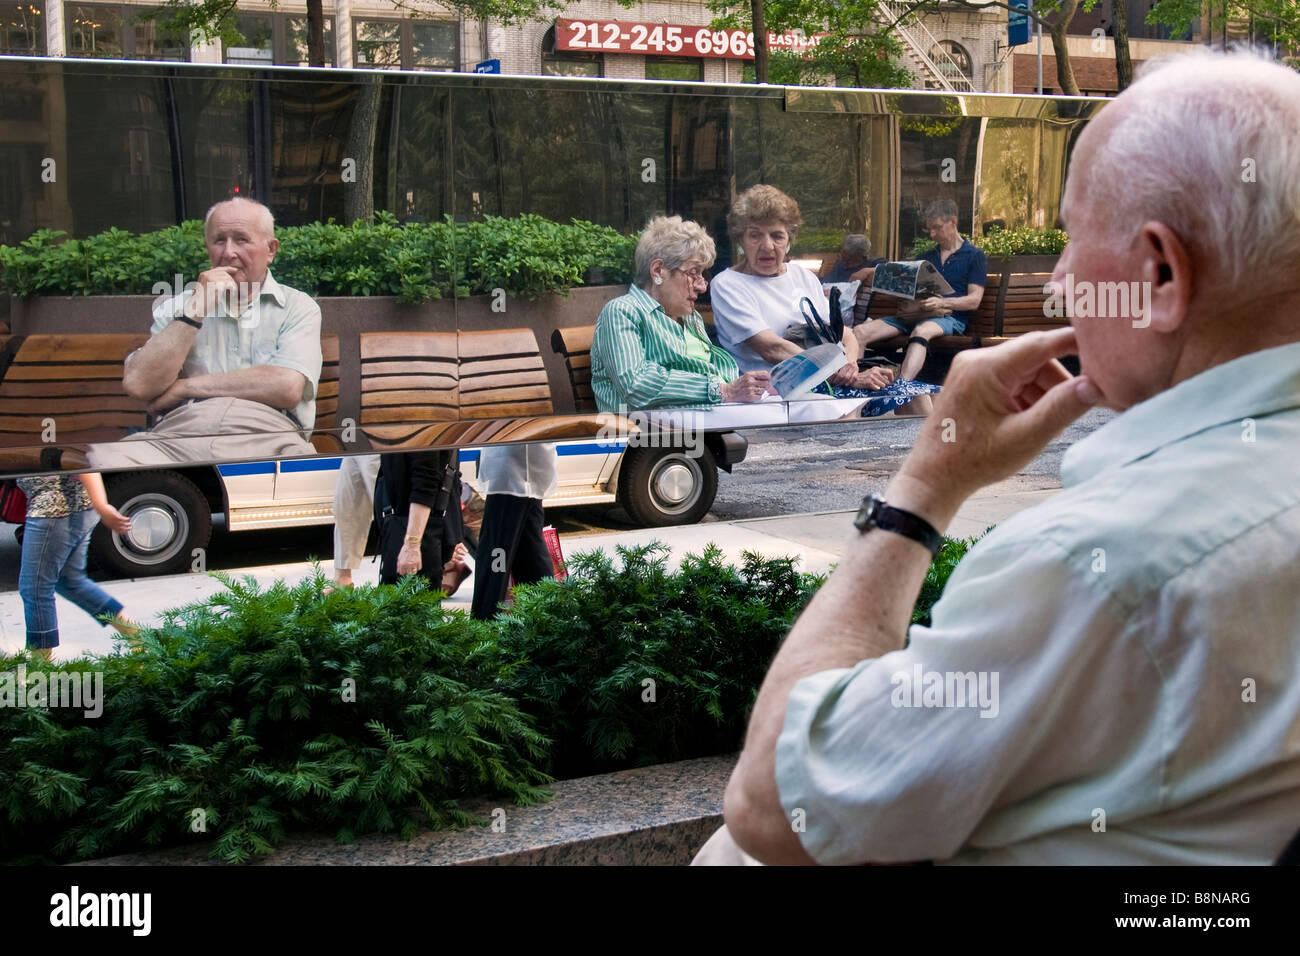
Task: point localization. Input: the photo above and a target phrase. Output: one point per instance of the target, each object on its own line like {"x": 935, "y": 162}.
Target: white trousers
{"x": 354, "y": 504}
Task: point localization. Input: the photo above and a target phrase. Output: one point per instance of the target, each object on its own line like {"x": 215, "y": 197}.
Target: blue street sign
{"x": 1017, "y": 24}
{"x": 494, "y": 66}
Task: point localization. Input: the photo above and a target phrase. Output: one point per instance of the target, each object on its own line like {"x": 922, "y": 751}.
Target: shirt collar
{"x": 645, "y": 299}
{"x": 273, "y": 289}
{"x": 1253, "y": 385}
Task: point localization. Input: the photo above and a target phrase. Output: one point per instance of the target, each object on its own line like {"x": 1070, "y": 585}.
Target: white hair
{"x": 265, "y": 220}
{"x": 1208, "y": 144}
{"x": 674, "y": 240}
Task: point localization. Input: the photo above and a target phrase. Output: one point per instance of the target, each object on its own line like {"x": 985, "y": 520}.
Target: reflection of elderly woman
{"x": 756, "y": 300}
{"x": 650, "y": 348}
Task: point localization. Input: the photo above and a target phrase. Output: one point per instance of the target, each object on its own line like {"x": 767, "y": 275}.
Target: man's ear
{"x": 1166, "y": 265}
{"x": 274, "y": 245}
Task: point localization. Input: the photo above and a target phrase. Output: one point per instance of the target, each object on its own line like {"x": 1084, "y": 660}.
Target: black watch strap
{"x": 182, "y": 317}
{"x": 874, "y": 513}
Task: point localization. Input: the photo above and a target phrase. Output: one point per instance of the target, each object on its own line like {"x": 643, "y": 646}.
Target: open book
{"x": 915, "y": 279}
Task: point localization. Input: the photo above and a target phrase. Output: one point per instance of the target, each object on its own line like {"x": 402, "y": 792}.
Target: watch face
{"x": 867, "y": 513}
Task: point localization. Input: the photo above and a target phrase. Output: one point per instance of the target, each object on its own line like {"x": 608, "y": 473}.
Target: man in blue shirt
{"x": 966, "y": 270}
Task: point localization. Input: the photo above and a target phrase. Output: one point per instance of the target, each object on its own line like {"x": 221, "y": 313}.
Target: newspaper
{"x": 800, "y": 374}
{"x": 915, "y": 279}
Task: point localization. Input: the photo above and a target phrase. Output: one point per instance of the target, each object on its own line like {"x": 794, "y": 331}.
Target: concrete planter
{"x": 1023, "y": 264}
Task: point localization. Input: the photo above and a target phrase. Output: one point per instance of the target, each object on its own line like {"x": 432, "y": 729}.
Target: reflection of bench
{"x": 983, "y": 325}
{"x": 575, "y": 345}
{"x": 502, "y": 375}
{"x": 408, "y": 379}
{"x": 74, "y": 381}
{"x": 323, "y": 438}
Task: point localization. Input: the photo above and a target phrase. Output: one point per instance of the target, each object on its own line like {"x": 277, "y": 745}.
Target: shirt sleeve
{"x": 736, "y": 313}
{"x": 979, "y": 271}
{"x": 297, "y": 345}
{"x": 1015, "y": 689}
{"x": 640, "y": 382}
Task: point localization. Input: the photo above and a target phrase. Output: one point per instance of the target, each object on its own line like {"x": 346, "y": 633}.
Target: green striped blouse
{"x": 642, "y": 358}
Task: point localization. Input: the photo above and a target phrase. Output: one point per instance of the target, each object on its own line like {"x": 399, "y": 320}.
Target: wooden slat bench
{"x": 408, "y": 381}
{"x": 575, "y": 345}
{"x": 502, "y": 375}
{"x": 75, "y": 380}
{"x": 324, "y": 434}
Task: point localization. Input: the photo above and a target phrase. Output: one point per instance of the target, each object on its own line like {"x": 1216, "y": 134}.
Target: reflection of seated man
{"x": 853, "y": 264}
{"x": 650, "y": 348}
{"x": 231, "y": 367}
{"x": 966, "y": 269}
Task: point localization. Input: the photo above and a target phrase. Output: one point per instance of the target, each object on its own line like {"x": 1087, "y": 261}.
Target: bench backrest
{"x": 327, "y": 398}
{"x": 574, "y": 344}
{"x": 502, "y": 375}
{"x": 408, "y": 379}
{"x": 75, "y": 380}
{"x": 1022, "y": 309}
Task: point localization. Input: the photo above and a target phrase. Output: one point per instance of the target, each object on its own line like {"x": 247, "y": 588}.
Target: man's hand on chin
{"x": 176, "y": 393}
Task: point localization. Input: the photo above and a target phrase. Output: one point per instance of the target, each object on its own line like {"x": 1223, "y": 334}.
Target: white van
{"x": 171, "y": 510}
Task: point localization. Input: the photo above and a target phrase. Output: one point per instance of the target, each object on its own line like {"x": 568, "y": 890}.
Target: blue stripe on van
{"x": 311, "y": 464}
{"x": 249, "y": 468}
{"x": 467, "y": 455}
{"x": 592, "y": 448}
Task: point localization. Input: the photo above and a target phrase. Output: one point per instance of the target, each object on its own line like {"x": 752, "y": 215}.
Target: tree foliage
{"x": 857, "y": 49}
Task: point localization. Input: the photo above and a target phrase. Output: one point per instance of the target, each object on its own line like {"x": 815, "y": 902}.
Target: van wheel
{"x": 666, "y": 486}
{"x": 170, "y": 517}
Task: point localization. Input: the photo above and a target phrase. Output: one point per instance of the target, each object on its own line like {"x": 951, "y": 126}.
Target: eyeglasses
{"x": 694, "y": 276}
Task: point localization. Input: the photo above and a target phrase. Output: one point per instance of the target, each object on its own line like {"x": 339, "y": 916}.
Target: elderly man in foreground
{"x": 1114, "y": 675}
{"x": 232, "y": 366}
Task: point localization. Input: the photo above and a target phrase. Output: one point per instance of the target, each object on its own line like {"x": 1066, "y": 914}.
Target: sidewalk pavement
{"x": 817, "y": 539}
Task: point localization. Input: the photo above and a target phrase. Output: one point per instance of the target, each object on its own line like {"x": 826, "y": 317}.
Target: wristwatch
{"x": 874, "y": 513}
{"x": 412, "y": 539}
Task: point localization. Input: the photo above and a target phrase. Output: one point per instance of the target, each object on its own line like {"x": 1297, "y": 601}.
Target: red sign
{"x": 658, "y": 39}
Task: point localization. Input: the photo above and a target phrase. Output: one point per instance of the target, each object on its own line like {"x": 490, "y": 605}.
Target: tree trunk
{"x": 315, "y": 33}
{"x": 359, "y": 196}
{"x": 760, "y": 43}
{"x": 1064, "y": 72}
{"x": 1123, "y": 61}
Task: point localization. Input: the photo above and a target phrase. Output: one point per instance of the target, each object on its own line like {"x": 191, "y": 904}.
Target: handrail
{"x": 902, "y": 20}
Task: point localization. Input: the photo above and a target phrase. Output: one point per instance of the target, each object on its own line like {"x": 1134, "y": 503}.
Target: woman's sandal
{"x": 455, "y": 571}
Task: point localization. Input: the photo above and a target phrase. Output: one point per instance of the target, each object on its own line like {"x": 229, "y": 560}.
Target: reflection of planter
{"x": 1022, "y": 264}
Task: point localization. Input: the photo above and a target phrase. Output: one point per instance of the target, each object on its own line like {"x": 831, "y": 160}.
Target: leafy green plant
{"x": 416, "y": 262}
{"x": 1002, "y": 243}
{"x": 578, "y": 654}
{"x": 936, "y": 576}
{"x": 362, "y": 710}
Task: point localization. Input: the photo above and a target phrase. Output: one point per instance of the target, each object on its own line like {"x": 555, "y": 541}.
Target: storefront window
{"x": 434, "y": 45}
{"x": 21, "y": 29}
{"x": 295, "y": 29}
{"x": 568, "y": 62}
{"x": 104, "y": 30}
{"x": 671, "y": 68}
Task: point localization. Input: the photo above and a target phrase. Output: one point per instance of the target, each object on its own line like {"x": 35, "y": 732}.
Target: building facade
{"x": 956, "y": 48}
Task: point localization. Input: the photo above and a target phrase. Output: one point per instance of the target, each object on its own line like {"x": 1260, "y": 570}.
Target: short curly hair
{"x": 674, "y": 240}
{"x": 760, "y": 204}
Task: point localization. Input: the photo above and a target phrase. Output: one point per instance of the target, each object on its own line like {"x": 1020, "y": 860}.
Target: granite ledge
{"x": 650, "y": 816}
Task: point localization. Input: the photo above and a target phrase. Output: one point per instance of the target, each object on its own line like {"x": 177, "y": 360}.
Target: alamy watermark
{"x": 662, "y": 428}
{"x": 1098, "y": 300}
{"x": 922, "y": 688}
{"x": 78, "y": 690}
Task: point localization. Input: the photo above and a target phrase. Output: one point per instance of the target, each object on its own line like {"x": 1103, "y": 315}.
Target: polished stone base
{"x": 654, "y": 816}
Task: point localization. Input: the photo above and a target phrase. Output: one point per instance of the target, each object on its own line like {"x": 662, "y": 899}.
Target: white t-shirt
{"x": 744, "y": 305}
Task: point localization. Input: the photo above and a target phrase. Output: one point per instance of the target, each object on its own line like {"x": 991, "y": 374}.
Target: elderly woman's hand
{"x": 845, "y": 375}
{"x": 750, "y": 387}
{"x": 873, "y": 379}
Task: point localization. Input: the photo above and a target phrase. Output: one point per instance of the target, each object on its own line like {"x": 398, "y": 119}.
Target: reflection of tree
{"x": 359, "y": 195}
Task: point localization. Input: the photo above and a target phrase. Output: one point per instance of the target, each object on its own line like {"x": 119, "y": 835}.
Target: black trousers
{"x": 510, "y": 542}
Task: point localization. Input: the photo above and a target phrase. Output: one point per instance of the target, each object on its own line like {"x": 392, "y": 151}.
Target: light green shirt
{"x": 1112, "y": 676}
{"x": 641, "y": 358}
{"x": 281, "y": 327}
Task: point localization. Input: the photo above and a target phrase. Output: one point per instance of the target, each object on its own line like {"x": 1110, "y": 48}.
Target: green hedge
{"x": 375, "y": 709}
{"x": 416, "y": 262}
{"x": 1002, "y": 243}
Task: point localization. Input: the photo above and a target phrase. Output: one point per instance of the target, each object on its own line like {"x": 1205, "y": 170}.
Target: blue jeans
{"x": 54, "y": 562}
